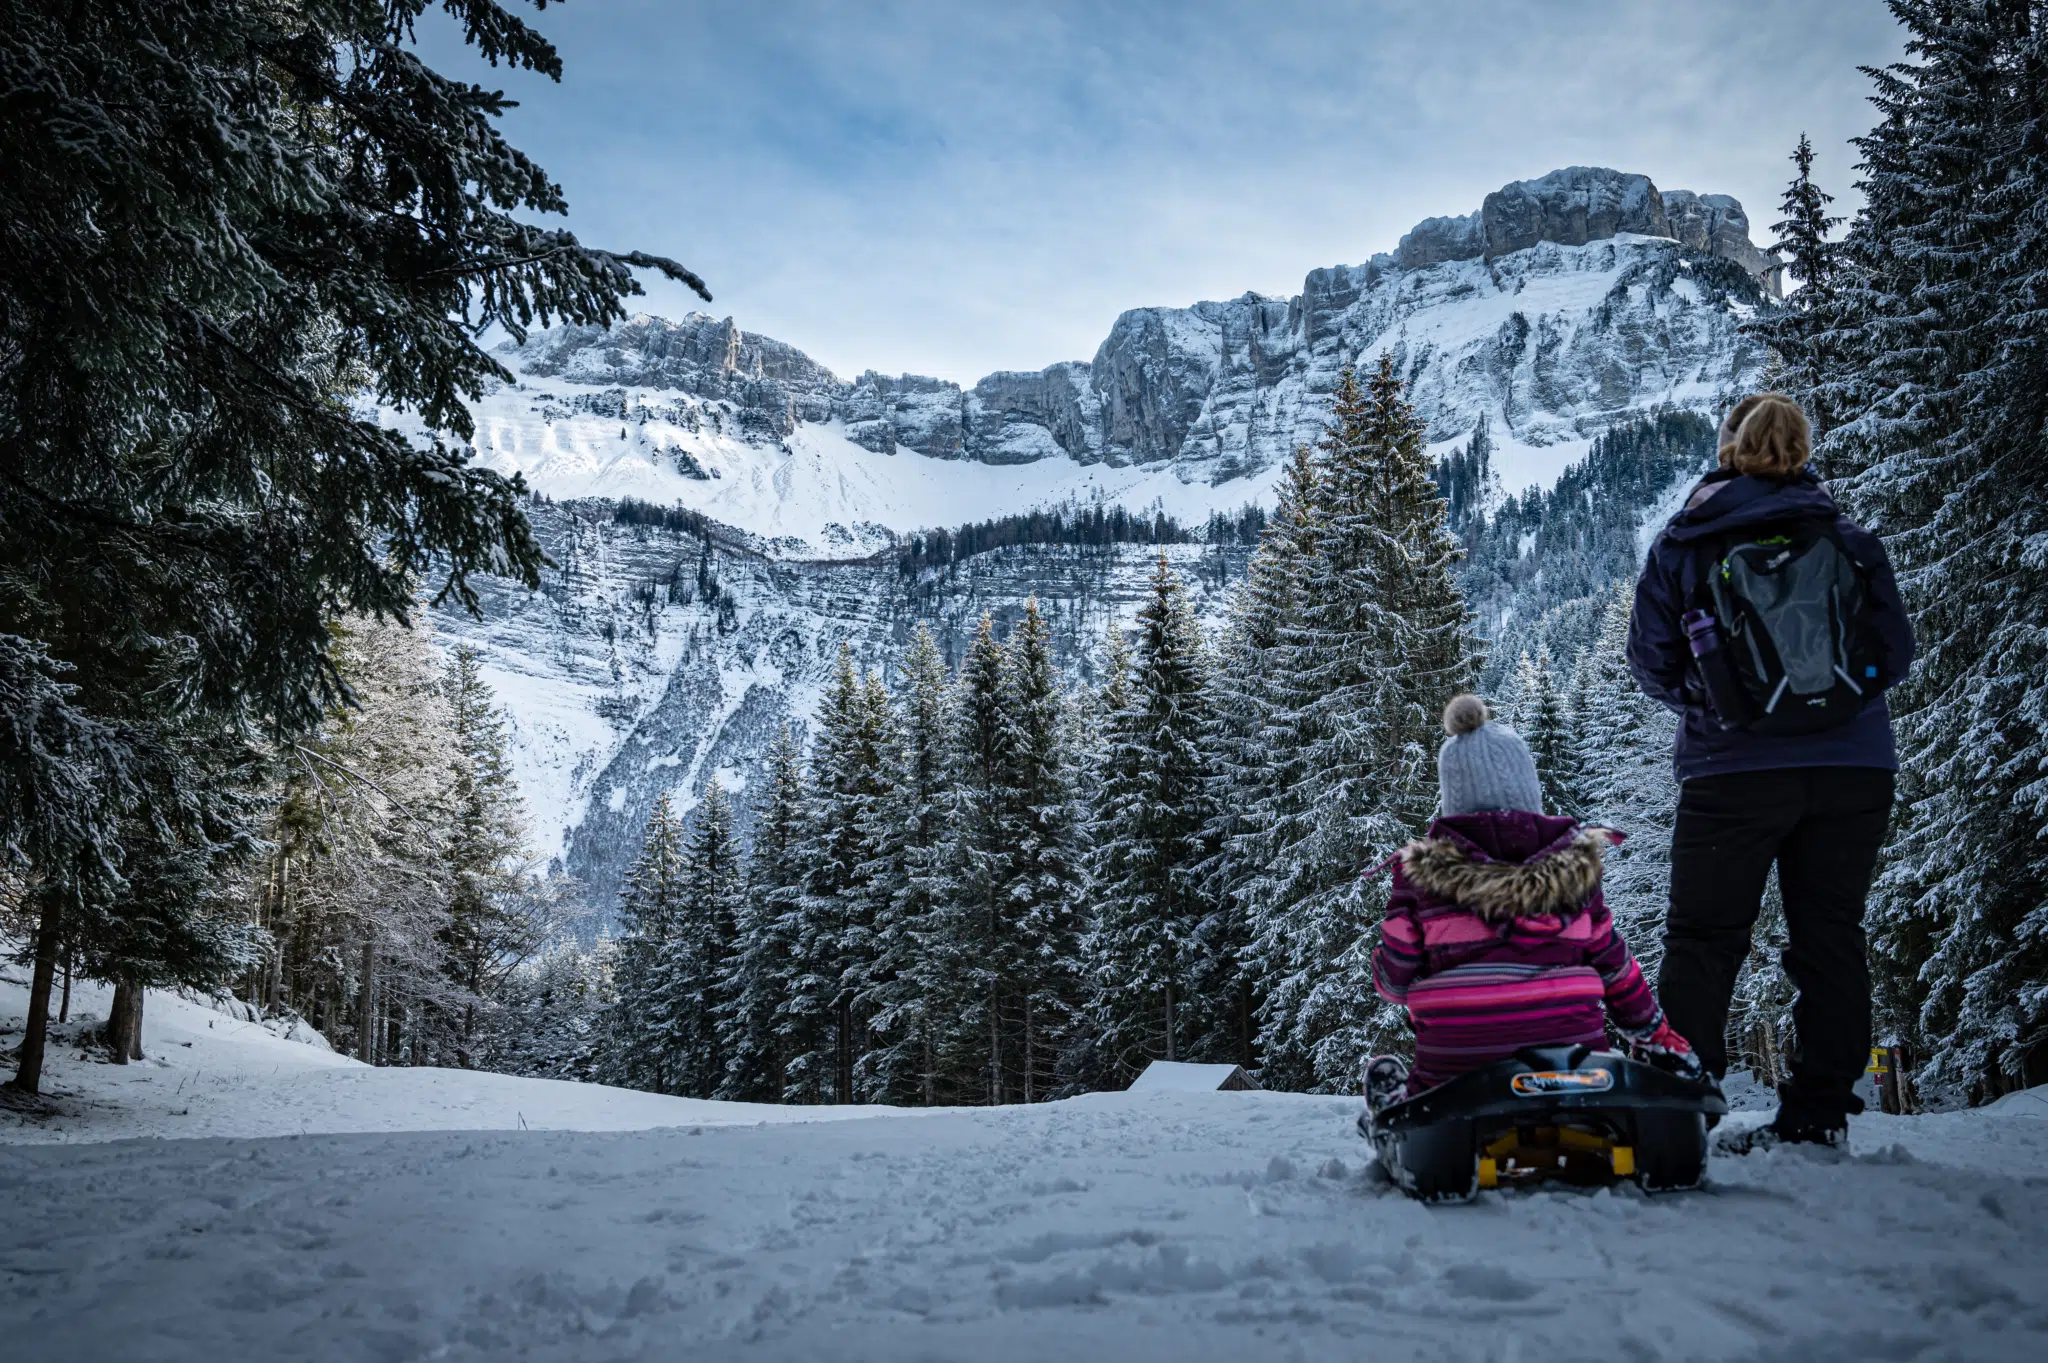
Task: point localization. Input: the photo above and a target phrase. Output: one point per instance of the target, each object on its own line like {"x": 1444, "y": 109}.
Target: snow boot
{"x": 1386, "y": 1081}
{"x": 1800, "y": 1121}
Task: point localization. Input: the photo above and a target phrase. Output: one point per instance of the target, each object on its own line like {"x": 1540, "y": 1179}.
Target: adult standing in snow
{"x": 1811, "y": 791}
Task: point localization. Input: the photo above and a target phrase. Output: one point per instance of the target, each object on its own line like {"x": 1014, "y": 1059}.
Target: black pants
{"x": 1823, "y": 826}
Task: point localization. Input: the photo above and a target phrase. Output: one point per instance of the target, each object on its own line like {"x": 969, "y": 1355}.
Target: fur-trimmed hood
{"x": 1470, "y": 861}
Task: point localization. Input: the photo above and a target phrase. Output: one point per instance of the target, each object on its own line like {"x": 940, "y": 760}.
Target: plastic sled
{"x": 1549, "y": 1112}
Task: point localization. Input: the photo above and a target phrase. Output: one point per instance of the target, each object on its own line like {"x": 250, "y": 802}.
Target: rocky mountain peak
{"x": 1582, "y": 204}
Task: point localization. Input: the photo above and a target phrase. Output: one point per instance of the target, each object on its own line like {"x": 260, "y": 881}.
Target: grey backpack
{"x": 1798, "y": 653}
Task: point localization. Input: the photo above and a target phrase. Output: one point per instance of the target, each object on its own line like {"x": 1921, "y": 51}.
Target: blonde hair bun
{"x": 1464, "y": 714}
{"x": 1767, "y": 435}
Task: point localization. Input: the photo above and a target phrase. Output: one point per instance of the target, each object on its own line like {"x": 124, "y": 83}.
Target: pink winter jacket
{"x": 1497, "y": 938}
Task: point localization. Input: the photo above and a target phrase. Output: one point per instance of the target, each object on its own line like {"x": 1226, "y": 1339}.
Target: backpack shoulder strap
{"x": 1831, "y": 530}
{"x": 1705, "y": 553}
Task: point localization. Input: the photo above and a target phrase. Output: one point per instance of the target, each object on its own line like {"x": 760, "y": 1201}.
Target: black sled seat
{"x": 1567, "y": 1112}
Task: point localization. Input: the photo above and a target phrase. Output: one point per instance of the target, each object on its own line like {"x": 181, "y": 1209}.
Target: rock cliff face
{"x": 1580, "y": 204}
{"x": 705, "y": 358}
{"x": 622, "y": 679}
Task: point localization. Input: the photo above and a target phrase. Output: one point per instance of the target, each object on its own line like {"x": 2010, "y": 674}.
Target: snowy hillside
{"x": 211, "y": 1072}
{"x": 1134, "y": 1225}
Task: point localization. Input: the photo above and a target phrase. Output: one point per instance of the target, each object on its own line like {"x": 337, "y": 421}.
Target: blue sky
{"x": 953, "y": 188}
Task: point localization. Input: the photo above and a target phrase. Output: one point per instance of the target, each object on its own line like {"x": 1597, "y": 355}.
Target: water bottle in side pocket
{"x": 1724, "y": 690}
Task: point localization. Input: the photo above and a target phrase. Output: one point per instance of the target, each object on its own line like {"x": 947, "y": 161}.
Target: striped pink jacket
{"x": 1497, "y": 938}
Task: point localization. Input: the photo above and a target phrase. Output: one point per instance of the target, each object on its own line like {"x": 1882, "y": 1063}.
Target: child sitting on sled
{"x": 1496, "y": 936}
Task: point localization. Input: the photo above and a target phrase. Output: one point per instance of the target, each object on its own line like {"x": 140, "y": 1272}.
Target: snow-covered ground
{"x": 210, "y": 1073}
{"x": 1130, "y": 1226}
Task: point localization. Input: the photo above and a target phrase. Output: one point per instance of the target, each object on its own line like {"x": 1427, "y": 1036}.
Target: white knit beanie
{"x": 1484, "y": 764}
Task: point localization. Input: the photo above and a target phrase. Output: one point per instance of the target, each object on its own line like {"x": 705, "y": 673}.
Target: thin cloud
{"x": 956, "y": 188}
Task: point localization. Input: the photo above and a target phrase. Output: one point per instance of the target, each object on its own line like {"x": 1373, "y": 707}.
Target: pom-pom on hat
{"x": 1464, "y": 714}
{"x": 1484, "y": 764}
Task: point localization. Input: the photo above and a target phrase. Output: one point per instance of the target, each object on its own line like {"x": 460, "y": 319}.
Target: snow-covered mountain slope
{"x": 1566, "y": 303}
{"x": 621, "y": 681}
{"x": 1199, "y": 1226}
{"x": 809, "y": 492}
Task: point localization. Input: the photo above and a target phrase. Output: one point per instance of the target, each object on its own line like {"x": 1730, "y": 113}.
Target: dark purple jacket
{"x": 1662, "y": 661}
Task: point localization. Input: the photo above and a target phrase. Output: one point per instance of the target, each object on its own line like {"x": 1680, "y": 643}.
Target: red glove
{"x": 1665, "y": 1048}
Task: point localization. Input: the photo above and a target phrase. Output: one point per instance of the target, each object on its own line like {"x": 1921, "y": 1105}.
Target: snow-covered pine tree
{"x": 1624, "y": 749}
{"x": 1546, "y": 721}
{"x": 1468, "y": 482}
{"x": 868, "y": 892}
{"x": 1378, "y": 642}
{"x": 1090, "y": 1062}
{"x": 1937, "y": 373}
{"x": 706, "y": 935}
{"x": 548, "y": 1023}
{"x": 276, "y": 207}
{"x": 1042, "y": 899}
{"x": 1094, "y": 713}
{"x": 646, "y": 1043}
{"x": 977, "y": 949}
{"x": 807, "y": 1013}
{"x": 1793, "y": 330}
{"x": 1803, "y": 235}
{"x": 178, "y": 916}
{"x": 1759, "y": 1034}
{"x": 903, "y": 842}
{"x": 1254, "y": 772}
{"x": 356, "y": 889}
{"x": 1518, "y": 685}
{"x": 1149, "y": 821}
{"x": 823, "y": 1029}
{"x": 759, "y": 971}
{"x": 1113, "y": 696}
{"x": 494, "y": 920}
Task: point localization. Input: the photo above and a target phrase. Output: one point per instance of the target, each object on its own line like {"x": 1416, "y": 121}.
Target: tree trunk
{"x": 28, "y": 1077}
{"x": 930, "y": 1063}
{"x": 1030, "y": 1054}
{"x": 278, "y": 915}
{"x": 1169, "y": 1020}
{"x": 114, "y": 1034}
{"x": 64, "y": 1008}
{"x": 366, "y": 1025}
{"x": 124, "y": 1023}
{"x": 842, "y": 1049}
{"x": 995, "y": 1051}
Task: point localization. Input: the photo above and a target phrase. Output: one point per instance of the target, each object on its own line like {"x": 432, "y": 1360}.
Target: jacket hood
{"x": 1506, "y": 864}
{"x": 1726, "y": 500}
